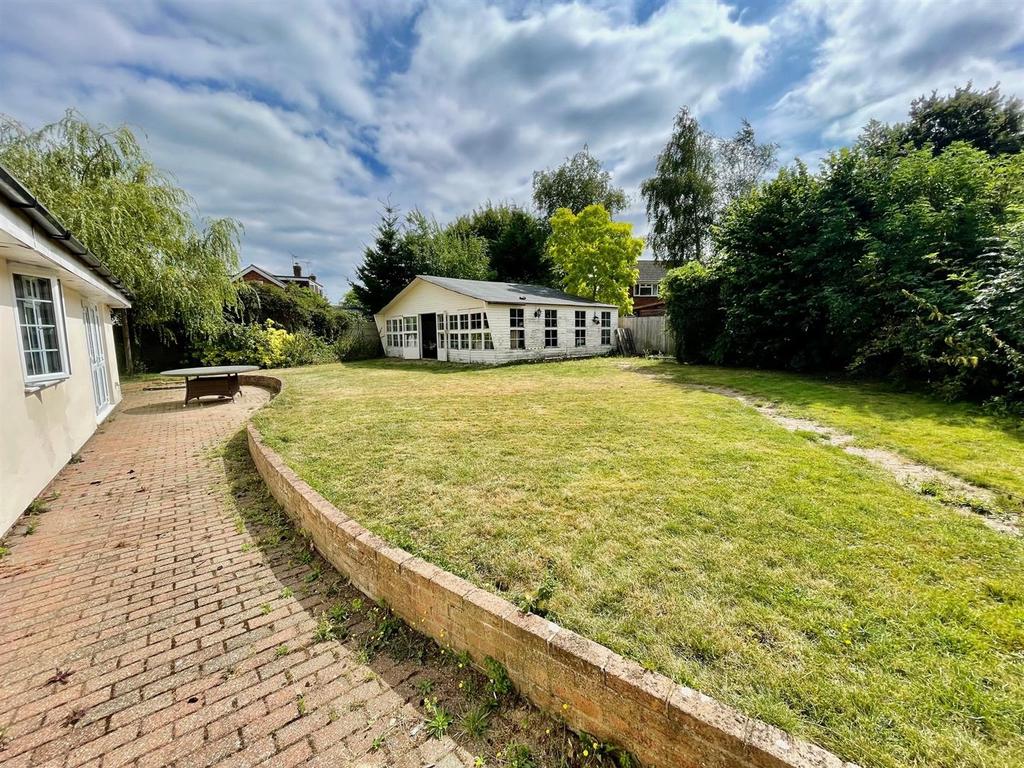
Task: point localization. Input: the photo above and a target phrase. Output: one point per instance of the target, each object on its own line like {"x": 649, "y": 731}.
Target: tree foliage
{"x": 516, "y": 243}
{"x": 444, "y": 251}
{"x": 904, "y": 266}
{"x": 986, "y": 119}
{"x": 293, "y": 308}
{"x": 578, "y": 182}
{"x": 680, "y": 197}
{"x": 696, "y": 177}
{"x": 596, "y": 256}
{"x": 145, "y": 229}
{"x": 388, "y": 266}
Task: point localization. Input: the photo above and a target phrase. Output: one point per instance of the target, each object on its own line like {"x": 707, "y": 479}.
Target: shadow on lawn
{"x": 408, "y": 663}
{"x": 874, "y": 399}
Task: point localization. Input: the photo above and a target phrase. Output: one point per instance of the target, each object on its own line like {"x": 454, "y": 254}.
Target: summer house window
{"x": 581, "y": 329}
{"x": 550, "y": 327}
{"x": 41, "y": 328}
{"x": 606, "y": 327}
{"x": 411, "y": 325}
{"x": 476, "y": 321}
{"x": 517, "y": 328}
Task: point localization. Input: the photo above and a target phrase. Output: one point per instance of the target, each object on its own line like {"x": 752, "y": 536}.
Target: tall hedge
{"x": 903, "y": 266}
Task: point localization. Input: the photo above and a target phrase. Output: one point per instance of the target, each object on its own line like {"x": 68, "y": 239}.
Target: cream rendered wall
{"x": 42, "y": 430}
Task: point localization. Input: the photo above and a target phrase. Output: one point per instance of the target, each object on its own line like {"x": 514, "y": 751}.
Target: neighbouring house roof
{"x": 650, "y": 271}
{"x": 279, "y": 280}
{"x": 262, "y": 272}
{"x": 17, "y": 197}
{"x": 508, "y": 293}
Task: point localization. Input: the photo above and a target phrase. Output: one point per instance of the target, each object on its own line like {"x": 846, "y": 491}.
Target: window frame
{"x": 580, "y": 327}
{"x": 606, "y": 328}
{"x": 59, "y": 320}
{"x": 550, "y": 328}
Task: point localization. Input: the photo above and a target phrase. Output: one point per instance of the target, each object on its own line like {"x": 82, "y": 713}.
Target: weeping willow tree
{"x": 133, "y": 217}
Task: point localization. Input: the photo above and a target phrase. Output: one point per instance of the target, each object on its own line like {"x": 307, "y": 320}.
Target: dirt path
{"x": 952, "y": 491}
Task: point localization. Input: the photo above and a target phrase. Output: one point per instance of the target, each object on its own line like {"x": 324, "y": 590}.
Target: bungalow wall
{"x": 43, "y": 428}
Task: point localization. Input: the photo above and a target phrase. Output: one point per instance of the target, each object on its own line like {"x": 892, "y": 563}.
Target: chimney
{"x": 297, "y": 270}
{"x": 312, "y": 278}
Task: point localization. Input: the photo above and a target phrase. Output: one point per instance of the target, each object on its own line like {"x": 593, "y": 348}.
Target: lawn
{"x": 686, "y": 531}
{"x": 981, "y": 448}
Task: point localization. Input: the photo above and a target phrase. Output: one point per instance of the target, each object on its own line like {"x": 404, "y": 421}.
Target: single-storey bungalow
{"x": 476, "y": 321}
{"x": 58, "y": 372}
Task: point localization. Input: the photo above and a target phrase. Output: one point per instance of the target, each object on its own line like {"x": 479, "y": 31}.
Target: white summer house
{"x": 475, "y": 321}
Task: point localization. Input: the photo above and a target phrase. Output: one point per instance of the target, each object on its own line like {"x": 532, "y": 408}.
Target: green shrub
{"x": 692, "y": 295}
{"x": 303, "y": 348}
{"x": 265, "y": 345}
{"x": 237, "y": 344}
{"x": 360, "y": 341}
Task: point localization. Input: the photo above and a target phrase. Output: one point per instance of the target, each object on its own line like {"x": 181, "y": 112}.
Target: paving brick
{"x": 150, "y": 601}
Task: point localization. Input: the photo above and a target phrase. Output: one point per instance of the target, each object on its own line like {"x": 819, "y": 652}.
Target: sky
{"x": 300, "y": 118}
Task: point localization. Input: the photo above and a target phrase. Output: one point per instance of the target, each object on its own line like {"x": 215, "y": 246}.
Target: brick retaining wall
{"x": 563, "y": 673}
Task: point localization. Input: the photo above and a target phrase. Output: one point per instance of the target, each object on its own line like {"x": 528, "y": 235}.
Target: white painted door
{"x": 442, "y": 338}
{"x": 97, "y": 357}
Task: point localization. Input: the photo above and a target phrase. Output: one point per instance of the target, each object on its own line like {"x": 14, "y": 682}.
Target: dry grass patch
{"x": 686, "y": 531}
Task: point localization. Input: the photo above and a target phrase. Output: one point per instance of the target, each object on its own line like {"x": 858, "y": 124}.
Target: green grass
{"x": 686, "y": 531}
{"x": 960, "y": 438}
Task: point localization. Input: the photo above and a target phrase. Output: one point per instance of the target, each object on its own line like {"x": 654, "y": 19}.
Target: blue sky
{"x": 299, "y": 118}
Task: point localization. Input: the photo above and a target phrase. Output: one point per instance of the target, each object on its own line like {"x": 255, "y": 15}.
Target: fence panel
{"x": 650, "y": 334}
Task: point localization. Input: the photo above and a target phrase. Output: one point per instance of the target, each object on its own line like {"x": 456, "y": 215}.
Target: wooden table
{"x": 217, "y": 380}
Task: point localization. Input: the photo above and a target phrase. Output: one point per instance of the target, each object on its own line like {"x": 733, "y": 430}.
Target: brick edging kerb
{"x": 594, "y": 689}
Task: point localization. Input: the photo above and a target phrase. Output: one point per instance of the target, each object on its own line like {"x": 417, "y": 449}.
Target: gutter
{"x": 17, "y": 196}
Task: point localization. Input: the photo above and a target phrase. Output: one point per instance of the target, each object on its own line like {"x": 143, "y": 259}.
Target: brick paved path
{"x": 143, "y": 583}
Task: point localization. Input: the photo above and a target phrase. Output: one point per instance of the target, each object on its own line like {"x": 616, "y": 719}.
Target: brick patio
{"x": 144, "y": 585}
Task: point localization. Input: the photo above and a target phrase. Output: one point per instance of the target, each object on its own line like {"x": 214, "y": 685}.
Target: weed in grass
{"x": 539, "y": 600}
{"x": 300, "y": 704}
{"x": 474, "y": 723}
{"x": 37, "y": 507}
{"x": 287, "y": 592}
{"x": 265, "y": 608}
{"x": 314, "y": 574}
{"x": 281, "y": 650}
{"x": 498, "y": 686}
{"x": 324, "y": 630}
{"x": 239, "y": 524}
{"x": 378, "y": 742}
{"x": 31, "y": 528}
{"x": 438, "y": 720}
{"x": 332, "y": 715}
{"x": 425, "y": 686}
{"x": 4, "y": 551}
{"x": 338, "y": 613}
{"x": 76, "y": 459}
{"x": 246, "y": 546}
{"x": 519, "y": 756}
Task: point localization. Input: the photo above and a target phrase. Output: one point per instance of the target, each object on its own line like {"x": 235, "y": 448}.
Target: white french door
{"x": 97, "y": 357}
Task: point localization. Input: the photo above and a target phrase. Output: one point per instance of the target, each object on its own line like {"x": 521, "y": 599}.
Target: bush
{"x": 265, "y": 345}
{"x": 293, "y": 308}
{"x": 303, "y": 348}
{"x": 692, "y": 295}
{"x": 360, "y": 341}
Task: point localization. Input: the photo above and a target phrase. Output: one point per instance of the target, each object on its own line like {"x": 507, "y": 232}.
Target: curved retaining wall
{"x": 590, "y": 687}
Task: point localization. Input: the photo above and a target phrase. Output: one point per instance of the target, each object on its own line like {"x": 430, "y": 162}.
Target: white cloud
{"x": 283, "y": 117}
{"x": 876, "y": 56}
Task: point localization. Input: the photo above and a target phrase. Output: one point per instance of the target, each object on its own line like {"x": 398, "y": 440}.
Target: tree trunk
{"x": 126, "y": 340}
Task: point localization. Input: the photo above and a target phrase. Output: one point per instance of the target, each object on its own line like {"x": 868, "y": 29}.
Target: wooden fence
{"x": 651, "y": 335}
